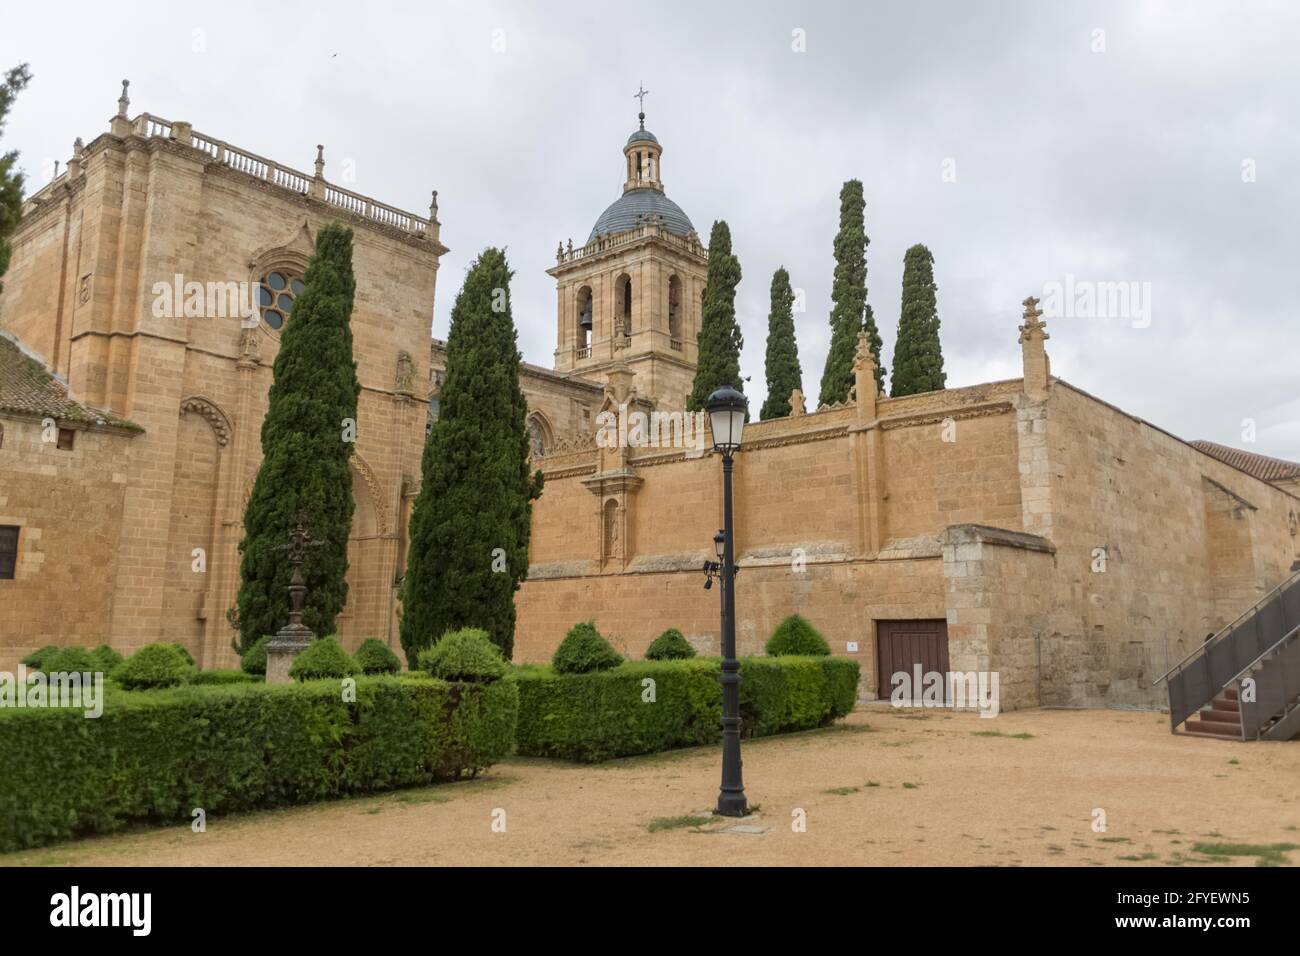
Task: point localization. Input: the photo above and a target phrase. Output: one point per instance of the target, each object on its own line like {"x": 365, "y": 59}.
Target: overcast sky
{"x": 1022, "y": 142}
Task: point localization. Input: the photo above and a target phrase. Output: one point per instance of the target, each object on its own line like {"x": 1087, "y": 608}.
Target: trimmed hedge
{"x": 154, "y": 666}
{"x": 323, "y": 658}
{"x": 375, "y": 657}
{"x": 71, "y": 660}
{"x": 794, "y": 636}
{"x": 36, "y": 659}
{"x": 464, "y": 655}
{"x": 222, "y": 677}
{"x": 671, "y": 645}
{"x": 157, "y": 756}
{"x": 598, "y": 716}
{"x": 253, "y": 660}
{"x": 583, "y": 651}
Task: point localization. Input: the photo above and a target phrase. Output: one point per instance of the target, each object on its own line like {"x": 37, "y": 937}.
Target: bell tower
{"x": 631, "y": 297}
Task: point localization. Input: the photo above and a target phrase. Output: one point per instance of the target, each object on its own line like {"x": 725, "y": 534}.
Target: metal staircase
{"x": 1244, "y": 682}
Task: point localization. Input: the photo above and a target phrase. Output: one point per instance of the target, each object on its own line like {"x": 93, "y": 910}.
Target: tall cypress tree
{"x": 471, "y": 522}
{"x": 307, "y": 439}
{"x": 918, "y": 356}
{"x": 720, "y": 339}
{"x": 850, "y": 312}
{"x": 11, "y": 180}
{"x": 782, "y": 361}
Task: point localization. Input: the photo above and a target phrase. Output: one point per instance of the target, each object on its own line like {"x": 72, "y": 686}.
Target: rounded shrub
{"x": 254, "y": 659}
{"x": 375, "y": 657}
{"x": 466, "y": 655}
{"x": 324, "y": 658}
{"x": 189, "y": 658}
{"x": 36, "y": 659}
{"x": 154, "y": 666}
{"x": 583, "y": 651}
{"x": 107, "y": 659}
{"x": 671, "y": 645}
{"x": 794, "y": 635}
{"x": 71, "y": 660}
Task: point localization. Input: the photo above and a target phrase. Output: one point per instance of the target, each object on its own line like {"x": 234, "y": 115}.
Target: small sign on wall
{"x": 853, "y": 647}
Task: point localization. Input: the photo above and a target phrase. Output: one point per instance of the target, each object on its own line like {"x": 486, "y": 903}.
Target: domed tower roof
{"x": 643, "y": 200}
{"x": 639, "y": 206}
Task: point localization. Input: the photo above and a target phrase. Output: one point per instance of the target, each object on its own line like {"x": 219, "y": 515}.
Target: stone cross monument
{"x": 294, "y": 637}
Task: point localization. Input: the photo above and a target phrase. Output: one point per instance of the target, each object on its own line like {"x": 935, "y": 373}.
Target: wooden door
{"x": 901, "y": 645}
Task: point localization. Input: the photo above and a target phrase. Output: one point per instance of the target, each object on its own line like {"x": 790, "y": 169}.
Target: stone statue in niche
{"x": 404, "y": 383}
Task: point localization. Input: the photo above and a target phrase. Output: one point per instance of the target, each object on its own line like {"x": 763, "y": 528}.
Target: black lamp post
{"x": 726, "y": 408}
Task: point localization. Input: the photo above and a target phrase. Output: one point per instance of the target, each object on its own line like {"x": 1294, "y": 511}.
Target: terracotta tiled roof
{"x": 1260, "y": 466}
{"x": 28, "y": 387}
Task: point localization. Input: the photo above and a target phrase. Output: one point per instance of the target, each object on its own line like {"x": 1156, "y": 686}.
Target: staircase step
{"x": 1230, "y": 693}
{"x": 1225, "y": 705}
{"x": 1221, "y": 717}
{"x": 1214, "y": 728}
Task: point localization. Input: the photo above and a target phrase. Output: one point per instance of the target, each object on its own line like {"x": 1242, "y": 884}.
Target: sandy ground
{"x": 947, "y": 792}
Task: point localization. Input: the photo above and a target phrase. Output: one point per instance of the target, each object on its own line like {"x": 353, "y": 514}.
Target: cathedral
{"x": 1022, "y": 526}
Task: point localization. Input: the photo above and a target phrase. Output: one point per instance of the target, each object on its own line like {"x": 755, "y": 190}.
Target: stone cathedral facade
{"x": 1022, "y": 526}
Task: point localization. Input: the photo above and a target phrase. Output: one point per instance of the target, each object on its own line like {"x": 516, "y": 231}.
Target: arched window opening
{"x": 623, "y": 311}
{"x": 675, "y": 313}
{"x": 584, "y": 320}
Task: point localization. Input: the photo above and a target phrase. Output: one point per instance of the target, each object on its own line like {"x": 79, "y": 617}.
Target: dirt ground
{"x": 885, "y": 787}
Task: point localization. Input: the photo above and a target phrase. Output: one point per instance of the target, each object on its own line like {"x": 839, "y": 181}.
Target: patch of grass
{"x": 1269, "y": 854}
{"x": 1138, "y": 859}
{"x": 910, "y": 786}
{"x": 842, "y": 791}
{"x": 1113, "y": 840}
{"x": 1234, "y": 761}
{"x": 686, "y": 821}
{"x": 912, "y": 716}
{"x": 874, "y": 783}
{"x": 998, "y": 733}
{"x": 373, "y": 810}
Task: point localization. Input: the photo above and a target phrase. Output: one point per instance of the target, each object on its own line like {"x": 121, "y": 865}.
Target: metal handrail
{"x": 1272, "y": 647}
{"x": 1241, "y": 617}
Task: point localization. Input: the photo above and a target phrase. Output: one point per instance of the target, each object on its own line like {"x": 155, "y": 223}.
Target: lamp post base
{"x": 732, "y": 805}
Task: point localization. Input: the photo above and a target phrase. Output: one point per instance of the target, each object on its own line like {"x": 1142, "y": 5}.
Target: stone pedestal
{"x": 282, "y": 649}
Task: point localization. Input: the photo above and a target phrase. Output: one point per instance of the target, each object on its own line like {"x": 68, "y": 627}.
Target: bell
{"x": 584, "y": 320}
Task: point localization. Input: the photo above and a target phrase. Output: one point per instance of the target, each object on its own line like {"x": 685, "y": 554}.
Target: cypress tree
{"x": 11, "y": 180}
{"x": 782, "y": 361}
{"x": 307, "y": 439}
{"x": 850, "y": 312}
{"x": 471, "y": 522}
{"x": 918, "y": 356}
{"x": 720, "y": 339}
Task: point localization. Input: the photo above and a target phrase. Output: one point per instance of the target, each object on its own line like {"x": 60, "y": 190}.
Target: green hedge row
{"x": 157, "y": 756}
{"x": 606, "y": 714}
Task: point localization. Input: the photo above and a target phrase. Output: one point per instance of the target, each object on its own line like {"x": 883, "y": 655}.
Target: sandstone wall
{"x": 68, "y": 506}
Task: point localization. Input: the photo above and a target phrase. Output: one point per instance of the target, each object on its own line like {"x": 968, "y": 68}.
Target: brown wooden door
{"x": 901, "y": 645}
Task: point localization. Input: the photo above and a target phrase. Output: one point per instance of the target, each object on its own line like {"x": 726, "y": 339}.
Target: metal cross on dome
{"x": 640, "y": 94}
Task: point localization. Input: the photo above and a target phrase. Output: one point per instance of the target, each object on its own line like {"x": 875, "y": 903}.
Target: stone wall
{"x": 68, "y": 507}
